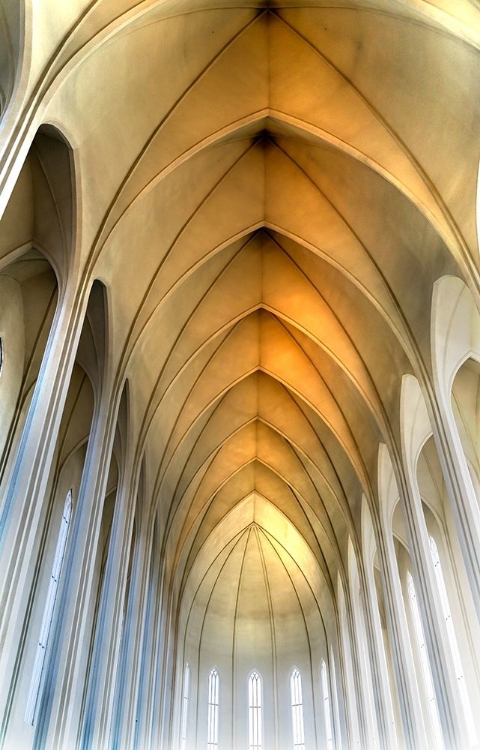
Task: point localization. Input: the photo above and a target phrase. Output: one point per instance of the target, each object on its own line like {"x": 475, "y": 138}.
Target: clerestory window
{"x": 327, "y": 708}
{"x": 297, "y": 710}
{"x": 186, "y": 688}
{"x": 255, "y": 728}
{"x": 213, "y": 705}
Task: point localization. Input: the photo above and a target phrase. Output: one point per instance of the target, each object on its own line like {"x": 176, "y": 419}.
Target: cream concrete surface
{"x": 239, "y": 320}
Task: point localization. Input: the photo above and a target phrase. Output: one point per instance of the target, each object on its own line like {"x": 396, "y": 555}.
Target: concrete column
{"x": 443, "y": 673}
{"x": 146, "y": 691}
{"x": 27, "y": 495}
{"x": 365, "y": 696}
{"x": 65, "y": 669}
{"x": 354, "y": 720}
{"x": 106, "y": 651}
{"x": 407, "y": 689}
{"x": 157, "y": 728}
{"x": 387, "y": 736}
{"x": 129, "y": 676}
{"x": 463, "y": 500}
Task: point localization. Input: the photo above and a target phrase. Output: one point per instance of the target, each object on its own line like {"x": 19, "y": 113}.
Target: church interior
{"x": 239, "y": 375}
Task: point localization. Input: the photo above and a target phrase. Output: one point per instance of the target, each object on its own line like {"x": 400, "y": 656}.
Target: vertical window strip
{"x": 213, "y": 705}
{"x": 425, "y": 663}
{"x": 327, "y": 707}
{"x": 39, "y": 663}
{"x": 255, "y": 712}
{"x": 453, "y": 643}
{"x": 186, "y": 689}
{"x": 297, "y": 710}
{"x": 336, "y": 709}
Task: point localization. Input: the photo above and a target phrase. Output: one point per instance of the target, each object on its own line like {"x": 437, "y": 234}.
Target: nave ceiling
{"x": 268, "y": 192}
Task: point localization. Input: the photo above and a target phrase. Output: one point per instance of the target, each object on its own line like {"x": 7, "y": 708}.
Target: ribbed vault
{"x": 269, "y": 191}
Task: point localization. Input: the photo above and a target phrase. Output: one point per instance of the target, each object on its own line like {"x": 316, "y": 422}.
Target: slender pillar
{"x": 463, "y": 500}
{"x": 65, "y": 670}
{"x": 146, "y": 691}
{"x": 125, "y": 713}
{"x": 356, "y": 735}
{"x": 387, "y": 737}
{"x": 408, "y": 695}
{"x": 106, "y": 650}
{"x": 27, "y": 494}
{"x": 434, "y": 625}
{"x": 366, "y": 703}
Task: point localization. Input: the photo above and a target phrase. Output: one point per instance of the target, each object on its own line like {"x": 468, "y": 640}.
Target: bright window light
{"x": 186, "y": 688}
{"x": 255, "y": 712}
{"x": 212, "y": 719}
{"x": 326, "y": 706}
{"x": 297, "y": 710}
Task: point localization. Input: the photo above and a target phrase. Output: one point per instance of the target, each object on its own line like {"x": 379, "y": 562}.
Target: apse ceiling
{"x": 268, "y": 192}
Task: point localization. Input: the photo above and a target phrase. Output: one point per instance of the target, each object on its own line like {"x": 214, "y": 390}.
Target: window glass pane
{"x": 212, "y": 719}
{"x": 255, "y": 712}
{"x": 327, "y": 707}
{"x": 186, "y": 688}
{"x": 297, "y": 710}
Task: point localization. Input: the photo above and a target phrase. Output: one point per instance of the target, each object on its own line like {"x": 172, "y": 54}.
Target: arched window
{"x": 336, "y": 710}
{"x": 327, "y": 709}
{"x": 212, "y": 718}
{"x": 186, "y": 688}
{"x": 35, "y": 683}
{"x": 297, "y": 710}
{"x": 255, "y": 712}
{"x": 425, "y": 664}
{"x": 453, "y": 643}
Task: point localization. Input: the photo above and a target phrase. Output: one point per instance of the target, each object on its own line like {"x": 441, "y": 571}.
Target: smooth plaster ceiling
{"x": 269, "y": 192}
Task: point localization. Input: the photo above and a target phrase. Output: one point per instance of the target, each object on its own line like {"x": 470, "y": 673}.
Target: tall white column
{"x": 380, "y": 681}
{"x": 407, "y": 689}
{"x": 65, "y": 669}
{"x": 106, "y": 651}
{"x": 443, "y": 673}
{"x": 129, "y": 676}
{"x": 463, "y": 500}
{"x": 27, "y": 494}
{"x": 354, "y": 720}
{"x": 147, "y": 696}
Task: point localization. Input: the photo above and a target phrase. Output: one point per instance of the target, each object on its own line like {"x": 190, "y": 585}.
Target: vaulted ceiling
{"x": 269, "y": 191}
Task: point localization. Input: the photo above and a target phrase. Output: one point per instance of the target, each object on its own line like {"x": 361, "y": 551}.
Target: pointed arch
{"x": 296, "y": 700}
{"x": 213, "y": 709}
{"x": 255, "y": 711}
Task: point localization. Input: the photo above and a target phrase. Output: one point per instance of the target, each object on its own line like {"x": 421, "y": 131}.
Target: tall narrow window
{"x": 336, "y": 710}
{"x": 327, "y": 709}
{"x": 297, "y": 710}
{"x": 453, "y": 643}
{"x": 39, "y": 663}
{"x": 425, "y": 664}
{"x": 255, "y": 712}
{"x": 186, "y": 688}
{"x": 1, "y": 355}
{"x": 212, "y": 718}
